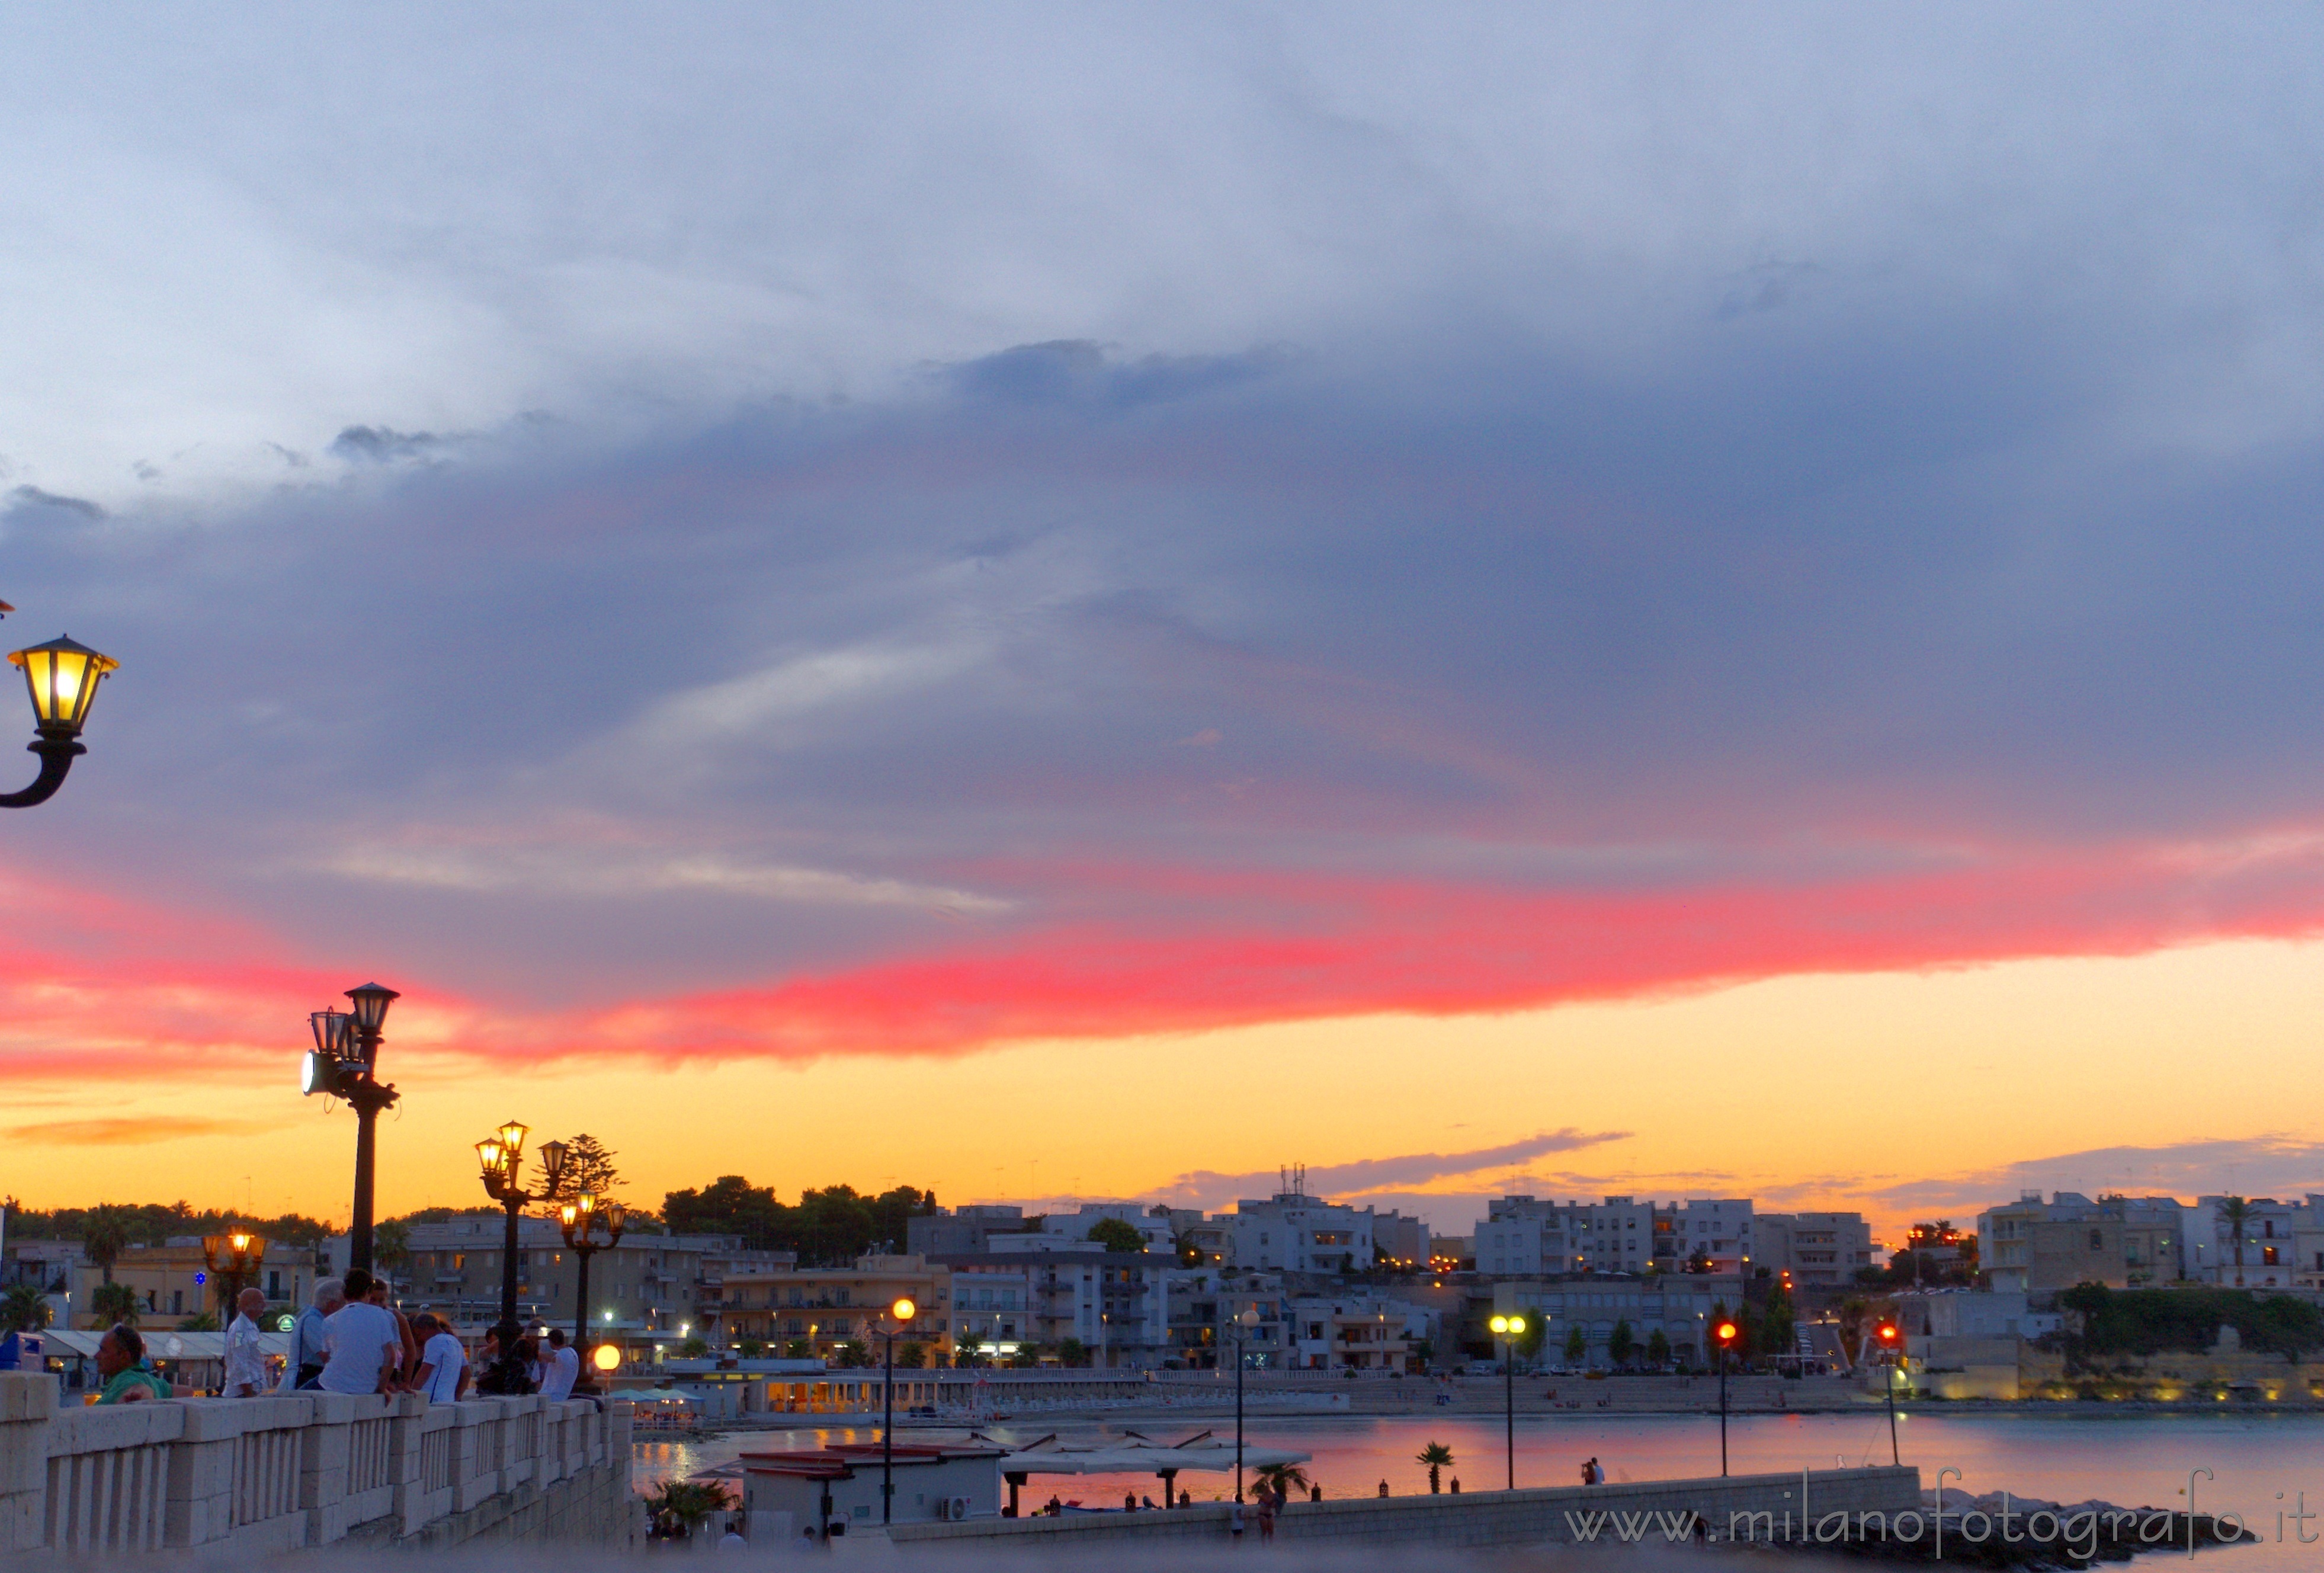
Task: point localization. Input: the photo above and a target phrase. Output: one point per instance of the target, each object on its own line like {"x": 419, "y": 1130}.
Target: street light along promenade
{"x": 63, "y": 676}
{"x": 345, "y": 1064}
{"x": 580, "y": 1218}
{"x": 500, "y": 1158}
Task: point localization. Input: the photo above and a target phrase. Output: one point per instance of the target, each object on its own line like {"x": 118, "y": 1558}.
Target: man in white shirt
{"x": 363, "y": 1346}
{"x": 245, "y": 1359}
{"x": 561, "y": 1370}
{"x": 442, "y": 1361}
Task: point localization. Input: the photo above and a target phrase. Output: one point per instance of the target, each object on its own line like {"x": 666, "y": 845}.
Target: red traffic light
{"x": 1725, "y": 1333}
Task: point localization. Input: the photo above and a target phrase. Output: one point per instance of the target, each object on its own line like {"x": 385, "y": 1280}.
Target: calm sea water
{"x": 2262, "y": 1464}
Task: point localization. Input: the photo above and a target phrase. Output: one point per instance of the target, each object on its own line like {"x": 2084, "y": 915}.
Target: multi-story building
{"x": 1402, "y": 1243}
{"x": 2280, "y": 1245}
{"x": 1819, "y": 1250}
{"x": 2037, "y": 1246}
{"x": 1293, "y": 1231}
{"x": 1357, "y": 1333}
{"x": 1158, "y": 1231}
{"x": 648, "y": 1286}
{"x": 173, "y": 1282}
{"x": 992, "y": 1305}
{"x": 819, "y": 1311}
{"x": 1525, "y": 1238}
{"x": 1202, "y": 1308}
{"x": 1679, "y": 1306}
{"x": 963, "y": 1230}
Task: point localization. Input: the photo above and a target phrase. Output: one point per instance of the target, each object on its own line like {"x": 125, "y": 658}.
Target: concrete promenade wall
{"x": 1477, "y": 1517}
{"x": 264, "y": 1475}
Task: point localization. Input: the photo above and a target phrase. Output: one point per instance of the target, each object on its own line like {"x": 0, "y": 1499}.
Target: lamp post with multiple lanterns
{"x": 581, "y": 1218}
{"x": 345, "y": 1064}
{"x": 63, "y": 676}
{"x": 1508, "y": 1329}
{"x": 900, "y": 1319}
{"x": 242, "y": 1254}
{"x": 499, "y": 1160}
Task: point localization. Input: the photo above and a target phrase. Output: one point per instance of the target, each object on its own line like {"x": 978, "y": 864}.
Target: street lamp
{"x": 1725, "y": 1334}
{"x": 900, "y": 1317}
{"x": 580, "y": 1218}
{"x": 241, "y": 1254}
{"x": 1892, "y": 1350}
{"x": 63, "y": 676}
{"x": 499, "y": 1160}
{"x": 344, "y": 1063}
{"x": 1508, "y": 1329}
{"x": 1244, "y": 1320}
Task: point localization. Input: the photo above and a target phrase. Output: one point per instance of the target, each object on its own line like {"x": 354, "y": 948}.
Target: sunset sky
{"x": 1075, "y": 602}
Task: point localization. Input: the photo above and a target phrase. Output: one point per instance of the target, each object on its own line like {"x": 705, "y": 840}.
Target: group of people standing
{"x": 352, "y": 1340}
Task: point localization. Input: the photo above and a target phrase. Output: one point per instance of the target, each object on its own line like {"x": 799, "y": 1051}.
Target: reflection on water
{"x": 2264, "y": 1464}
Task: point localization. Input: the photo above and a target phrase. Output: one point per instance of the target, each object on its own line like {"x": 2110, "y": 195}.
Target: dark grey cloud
{"x": 1364, "y": 1177}
{"x": 33, "y": 500}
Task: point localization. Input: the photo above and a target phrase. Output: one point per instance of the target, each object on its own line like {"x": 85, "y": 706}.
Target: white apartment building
{"x": 1356, "y": 1333}
{"x": 991, "y": 1306}
{"x": 1524, "y": 1237}
{"x": 1073, "y": 1228}
{"x": 1291, "y": 1232}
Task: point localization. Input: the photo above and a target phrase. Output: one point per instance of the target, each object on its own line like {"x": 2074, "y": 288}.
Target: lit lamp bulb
{"x": 607, "y": 1358}
{"x": 903, "y": 1311}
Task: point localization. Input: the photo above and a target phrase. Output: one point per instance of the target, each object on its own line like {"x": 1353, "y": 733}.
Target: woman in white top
{"x": 443, "y": 1363}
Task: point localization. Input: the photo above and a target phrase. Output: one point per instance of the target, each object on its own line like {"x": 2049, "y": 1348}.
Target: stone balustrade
{"x": 273, "y": 1474}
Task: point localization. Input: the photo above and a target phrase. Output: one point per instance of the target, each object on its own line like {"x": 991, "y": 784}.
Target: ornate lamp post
{"x": 242, "y": 1254}
{"x": 63, "y": 676}
{"x": 345, "y": 1064}
{"x": 1892, "y": 1357}
{"x": 501, "y": 1159}
{"x": 1508, "y": 1329}
{"x": 899, "y": 1317}
{"x": 580, "y": 1218}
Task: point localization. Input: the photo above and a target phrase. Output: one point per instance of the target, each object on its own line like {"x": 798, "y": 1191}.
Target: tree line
{"x": 827, "y": 1227}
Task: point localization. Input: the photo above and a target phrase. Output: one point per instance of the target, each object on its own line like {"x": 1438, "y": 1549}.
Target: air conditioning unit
{"x": 955, "y": 1507}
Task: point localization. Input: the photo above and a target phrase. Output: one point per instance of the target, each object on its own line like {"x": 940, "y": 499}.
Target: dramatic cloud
{"x": 1252, "y": 517}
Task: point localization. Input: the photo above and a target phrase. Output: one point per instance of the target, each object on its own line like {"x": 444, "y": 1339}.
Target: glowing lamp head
{"x": 587, "y": 1202}
{"x": 903, "y": 1311}
{"x": 552, "y": 1161}
{"x": 607, "y": 1358}
{"x": 315, "y": 1074}
{"x": 63, "y": 676}
{"x": 239, "y": 1242}
{"x": 567, "y": 1217}
{"x": 512, "y": 1135}
{"x": 489, "y": 1158}
{"x": 1725, "y": 1333}
{"x": 371, "y": 1002}
{"x": 1888, "y": 1333}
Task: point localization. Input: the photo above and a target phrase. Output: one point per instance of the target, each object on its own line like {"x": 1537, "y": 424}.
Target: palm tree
{"x": 106, "y": 1236}
{"x": 1437, "y": 1456}
{"x": 2237, "y": 1212}
{"x": 110, "y": 1303}
{"x": 689, "y": 1504}
{"x": 1282, "y": 1479}
{"x": 24, "y": 1308}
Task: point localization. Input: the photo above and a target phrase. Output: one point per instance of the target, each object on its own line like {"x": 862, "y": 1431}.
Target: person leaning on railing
{"x": 121, "y": 1361}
